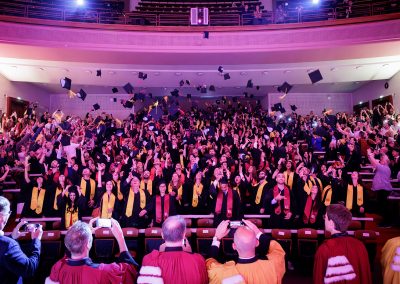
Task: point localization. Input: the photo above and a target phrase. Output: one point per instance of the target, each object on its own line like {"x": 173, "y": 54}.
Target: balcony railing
{"x": 295, "y": 15}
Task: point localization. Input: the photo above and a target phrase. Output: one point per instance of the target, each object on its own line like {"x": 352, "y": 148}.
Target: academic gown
{"x": 344, "y": 259}
{"x": 236, "y": 212}
{"x": 173, "y": 266}
{"x": 135, "y": 220}
{"x": 62, "y": 203}
{"x": 153, "y": 208}
{"x": 47, "y": 204}
{"x": 390, "y": 261}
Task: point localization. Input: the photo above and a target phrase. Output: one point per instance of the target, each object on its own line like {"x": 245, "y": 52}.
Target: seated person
{"x": 249, "y": 268}
{"x": 79, "y": 268}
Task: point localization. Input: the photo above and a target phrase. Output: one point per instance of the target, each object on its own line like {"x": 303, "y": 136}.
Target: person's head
{"x": 109, "y": 186}
{"x": 337, "y": 218}
{"x": 384, "y": 160}
{"x": 245, "y": 242}
{"x": 224, "y": 184}
{"x": 162, "y": 187}
{"x": 61, "y": 178}
{"x": 72, "y": 195}
{"x": 261, "y": 175}
{"x": 135, "y": 184}
{"x": 354, "y": 175}
{"x": 4, "y": 212}
{"x": 86, "y": 173}
{"x": 146, "y": 174}
{"x": 173, "y": 229}
{"x": 78, "y": 240}
{"x": 280, "y": 178}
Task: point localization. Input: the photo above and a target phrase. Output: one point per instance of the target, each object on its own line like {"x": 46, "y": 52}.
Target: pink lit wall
{"x": 26, "y": 91}
{"x": 375, "y": 89}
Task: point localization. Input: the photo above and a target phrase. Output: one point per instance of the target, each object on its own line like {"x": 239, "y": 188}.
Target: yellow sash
{"x": 149, "y": 186}
{"x": 309, "y": 184}
{"x": 349, "y": 198}
{"x": 92, "y": 187}
{"x": 328, "y": 191}
{"x": 107, "y": 203}
{"x": 197, "y": 190}
{"x": 236, "y": 188}
{"x": 37, "y": 199}
{"x": 289, "y": 179}
{"x": 179, "y": 190}
{"x": 119, "y": 193}
{"x": 131, "y": 201}
{"x": 58, "y": 192}
{"x": 259, "y": 192}
{"x": 68, "y": 215}
{"x": 181, "y": 160}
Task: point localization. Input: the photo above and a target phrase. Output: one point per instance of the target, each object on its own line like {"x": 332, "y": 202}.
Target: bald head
{"x": 245, "y": 242}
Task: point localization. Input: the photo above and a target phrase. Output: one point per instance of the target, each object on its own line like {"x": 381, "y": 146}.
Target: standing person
{"x": 381, "y": 184}
{"x": 163, "y": 205}
{"x": 341, "y": 259}
{"x": 249, "y": 268}
{"x": 176, "y": 264}
{"x": 71, "y": 204}
{"x": 79, "y": 268}
{"x": 355, "y": 194}
{"x": 13, "y": 262}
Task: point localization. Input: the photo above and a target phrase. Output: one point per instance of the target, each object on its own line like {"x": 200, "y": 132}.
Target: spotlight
{"x": 315, "y": 2}
{"x": 80, "y": 2}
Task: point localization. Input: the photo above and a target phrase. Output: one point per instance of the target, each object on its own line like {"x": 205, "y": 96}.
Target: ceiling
{"x": 339, "y": 76}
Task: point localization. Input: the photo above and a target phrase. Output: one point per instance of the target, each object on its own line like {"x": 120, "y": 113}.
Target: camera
{"x": 103, "y": 223}
{"x": 235, "y": 224}
{"x": 29, "y": 227}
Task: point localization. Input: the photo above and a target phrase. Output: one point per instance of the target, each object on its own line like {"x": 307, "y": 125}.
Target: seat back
{"x": 152, "y": 239}
{"x": 370, "y": 240}
{"x": 307, "y": 245}
{"x": 284, "y": 237}
{"x": 205, "y": 223}
{"x": 104, "y": 245}
{"x": 132, "y": 242}
{"x": 204, "y": 240}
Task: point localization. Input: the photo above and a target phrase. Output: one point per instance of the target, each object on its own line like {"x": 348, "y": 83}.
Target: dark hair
{"x": 173, "y": 229}
{"x": 340, "y": 215}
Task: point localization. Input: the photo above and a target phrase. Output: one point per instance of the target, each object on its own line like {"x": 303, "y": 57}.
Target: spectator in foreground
{"x": 79, "y": 268}
{"x": 390, "y": 261}
{"x": 249, "y": 268}
{"x": 174, "y": 263}
{"x": 13, "y": 262}
{"x": 341, "y": 259}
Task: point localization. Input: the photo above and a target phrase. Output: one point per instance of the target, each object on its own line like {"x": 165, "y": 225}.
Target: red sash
{"x": 308, "y": 210}
{"x": 229, "y": 205}
{"x": 165, "y": 214}
{"x": 286, "y": 202}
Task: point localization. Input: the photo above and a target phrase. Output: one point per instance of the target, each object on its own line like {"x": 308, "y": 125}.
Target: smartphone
{"x": 29, "y": 227}
{"x": 103, "y": 223}
{"x": 235, "y": 224}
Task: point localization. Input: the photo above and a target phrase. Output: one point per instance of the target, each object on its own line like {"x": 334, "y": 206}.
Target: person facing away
{"x": 79, "y": 268}
{"x": 13, "y": 262}
{"x": 174, "y": 262}
{"x": 341, "y": 259}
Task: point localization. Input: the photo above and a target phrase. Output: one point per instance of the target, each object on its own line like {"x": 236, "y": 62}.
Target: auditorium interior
{"x": 259, "y": 82}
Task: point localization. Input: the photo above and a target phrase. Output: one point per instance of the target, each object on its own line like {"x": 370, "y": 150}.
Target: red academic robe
{"x": 342, "y": 259}
{"x": 173, "y": 266}
{"x": 85, "y": 271}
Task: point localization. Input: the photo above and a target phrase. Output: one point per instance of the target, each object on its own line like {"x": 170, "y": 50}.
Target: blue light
{"x": 80, "y": 2}
{"x": 315, "y": 2}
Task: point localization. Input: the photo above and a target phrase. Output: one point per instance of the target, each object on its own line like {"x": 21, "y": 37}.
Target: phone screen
{"x": 103, "y": 223}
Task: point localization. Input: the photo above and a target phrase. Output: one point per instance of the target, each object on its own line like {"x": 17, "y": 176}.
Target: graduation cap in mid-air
{"x": 315, "y": 76}
{"x": 98, "y": 73}
{"x": 96, "y": 106}
{"x": 249, "y": 84}
{"x": 293, "y": 107}
{"x": 221, "y": 69}
{"x": 66, "y": 83}
{"x": 128, "y": 88}
{"x": 175, "y": 93}
{"x": 114, "y": 90}
{"x": 81, "y": 94}
{"x": 285, "y": 88}
{"x": 227, "y": 76}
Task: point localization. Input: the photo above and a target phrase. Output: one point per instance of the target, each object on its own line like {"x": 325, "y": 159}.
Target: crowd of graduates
{"x": 227, "y": 161}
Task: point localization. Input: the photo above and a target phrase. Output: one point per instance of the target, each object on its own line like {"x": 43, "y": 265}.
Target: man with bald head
{"x": 249, "y": 268}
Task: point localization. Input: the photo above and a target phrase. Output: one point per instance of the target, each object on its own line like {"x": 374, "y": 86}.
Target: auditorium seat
{"x": 103, "y": 245}
{"x": 204, "y": 240}
{"x": 205, "y": 222}
{"x": 132, "y": 242}
{"x": 370, "y": 240}
{"x": 152, "y": 239}
{"x": 284, "y": 237}
{"x": 228, "y": 252}
{"x": 307, "y": 245}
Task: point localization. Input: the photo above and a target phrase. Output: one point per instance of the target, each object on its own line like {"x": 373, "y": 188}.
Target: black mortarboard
{"x": 175, "y": 93}
{"x": 203, "y": 90}
{"x": 224, "y": 181}
{"x": 65, "y": 140}
{"x": 249, "y": 84}
{"x": 128, "y": 88}
{"x": 189, "y": 96}
{"x": 212, "y": 88}
{"x": 283, "y": 110}
{"x": 277, "y": 107}
{"x": 114, "y": 90}
{"x": 227, "y": 76}
{"x": 246, "y": 95}
{"x": 293, "y": 107}
{"x": 139, "y": 97}
{"x": 251, "y": 96}
{"x": 220, "y": 69}
{"x": 114, "y": 100}
{"x": 142, "y": 76}
{"x": 98, "y": 73}
{"x": 66, "y": 83}
{"x": 315, "y": 76}
{"x": 81, "y": 94}
{"x": 96, "y": 106}
{"x": 206, "y": 34}
{"x": 187, "y": 82}
{"x": 128, "y": 104}
{"x": 181, "y": 83}
{"x": 285, "y": 88}
{"x": 257, "y": 87}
